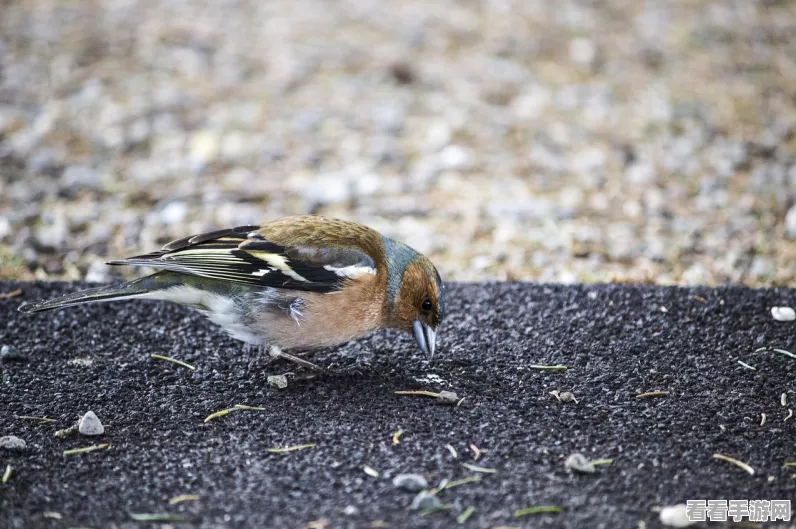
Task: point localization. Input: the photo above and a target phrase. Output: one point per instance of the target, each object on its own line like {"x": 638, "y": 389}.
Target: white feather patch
{"x": 219, "y": 309}
{"x": 278, "y": 262}
{"x": 352, "y": 271}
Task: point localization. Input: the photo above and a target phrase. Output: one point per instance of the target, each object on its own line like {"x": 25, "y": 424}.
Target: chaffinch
{"x": 298, "y": 283}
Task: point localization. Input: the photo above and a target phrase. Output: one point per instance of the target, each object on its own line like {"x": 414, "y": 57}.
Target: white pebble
{"x": 448, "y": 397}
{"x": 12, "y": 443}
{"x": 90, "y": 425}
{"x": 410, "y": 482}
{"x": 790, "y": 222}
{"x": 425, "y": 500}
{"x": 578, "y": 463}
{"x": 675, "y": 516}
{"x": 582, "y": 50}
{"x": 277, "y": 381}
{"x": 455, "y": 157}
{"x": 783, "y": 313}
{"x": 204, "y": 147}
{"x": 567, "y": 396}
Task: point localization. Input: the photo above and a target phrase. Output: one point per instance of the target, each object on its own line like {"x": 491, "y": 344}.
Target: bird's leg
{"x": 276, "y": 353}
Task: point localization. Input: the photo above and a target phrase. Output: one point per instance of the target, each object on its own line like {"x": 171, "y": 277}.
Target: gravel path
{"x": 556, "y": 141}
{"x": 616, "y": 340}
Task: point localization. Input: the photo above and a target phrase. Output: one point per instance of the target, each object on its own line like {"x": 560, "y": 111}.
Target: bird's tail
{"x": 130, "y": 290}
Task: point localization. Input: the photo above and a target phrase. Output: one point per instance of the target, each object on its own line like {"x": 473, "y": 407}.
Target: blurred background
{"x": 619, "y": 140}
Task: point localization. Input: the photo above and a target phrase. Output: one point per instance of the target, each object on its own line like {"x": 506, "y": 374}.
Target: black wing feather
{"x": 243, "y": 255}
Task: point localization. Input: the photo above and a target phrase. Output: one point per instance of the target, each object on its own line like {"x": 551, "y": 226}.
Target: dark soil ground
{"x": 617, "y": 341}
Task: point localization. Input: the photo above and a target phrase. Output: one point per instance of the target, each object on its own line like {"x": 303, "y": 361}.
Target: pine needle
{"x": 293, "y": 448}
{"x": 463, "y": 481}
{"x": 157, "y": 517}
{"x": 652, "y": 394}
{"x": 784, "y": 352}
{"x": 445, "y": 507}
{"x": 173, "y": 360}
{"x": 476, "y": 468}
{"x": 7, "y": 474}
{"x": 739, "y": 464}
{"x": 86, "y": 449}
{"x": 466, "y": 514}
{"x": 237, "y": 407}
{"x": 183, "y": 497}
{"x": 452, "y": 450}
{"x": 32, "y": 418}
{"x": 549, "y": 368}
{"x": 540, "y": 509}
{"x": 420, "y": 393}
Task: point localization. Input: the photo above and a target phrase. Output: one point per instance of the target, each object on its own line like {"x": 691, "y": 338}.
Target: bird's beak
{"x": 426, "y": 338}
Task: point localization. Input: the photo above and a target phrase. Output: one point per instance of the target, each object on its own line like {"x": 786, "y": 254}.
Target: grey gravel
{"x": 675, "y": 516}
{"x": 350, "y": 510}
{"x": 783, "y": 313}
{"x": 548, "y": 142}
{"x": 12, "y": 443}
{"x": 9, "y": 353}
{"x": 447, "y": 397}
{"x": 277, "y": 381}
{"x": 577, "y": 462}
{"x": 90, "y": 425}
{"x": 425, "y": 500}
{"x": 410, "y": 482}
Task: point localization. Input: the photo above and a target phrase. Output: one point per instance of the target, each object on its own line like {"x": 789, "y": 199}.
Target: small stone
{"x": 790, "y": 219}
{"x": 80, "y": 176}
{"x": 675, "y": 516}
{"x": 329, "y": 188}
{"x": 779, "y": 314}
{"x": 439, "y": 134}
{"x": 577, "y": 462}
{"x": 98, "y": 272}
{"x": 204, "y": 147}
{"x": 10, "y": 354}
{"x": 564, "y": 396}
{"x": 66, "y": 432}
{"x": 567, "y": 396}
{"x": 455, "y": 157}
{"x": 174, "y": 213}
{"x": 350, "y": 510}
{"x": 12, "y": 443}
{"x": 582, "y": 50}
{"x": 90, "y": 425}
{"x": 448, "y": 397}
{"x": 410, "y": 482}
{"x": 277, "y": 381}
{"x": 762, "y": 268}
{"x": 425, "y": 500}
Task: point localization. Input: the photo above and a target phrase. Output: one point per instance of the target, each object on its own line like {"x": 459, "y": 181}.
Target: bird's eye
{"x": 426, "y": 305}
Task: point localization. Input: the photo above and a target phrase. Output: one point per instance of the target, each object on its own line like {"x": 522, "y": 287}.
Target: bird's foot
{"x": 276, "y": 353}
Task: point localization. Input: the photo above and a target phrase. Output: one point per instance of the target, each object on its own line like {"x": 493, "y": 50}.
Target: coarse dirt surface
{"x": 567, "y": 141}
{"x": 617, "y": 341}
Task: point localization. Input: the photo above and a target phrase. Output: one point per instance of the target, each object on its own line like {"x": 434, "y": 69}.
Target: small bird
{"x": 298, "y": 282}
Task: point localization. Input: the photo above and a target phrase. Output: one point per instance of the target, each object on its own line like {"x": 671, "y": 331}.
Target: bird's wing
{"x": 244, "y": 255}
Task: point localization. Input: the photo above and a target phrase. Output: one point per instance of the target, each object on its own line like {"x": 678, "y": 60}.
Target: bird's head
{"x": 419, "y": 303}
